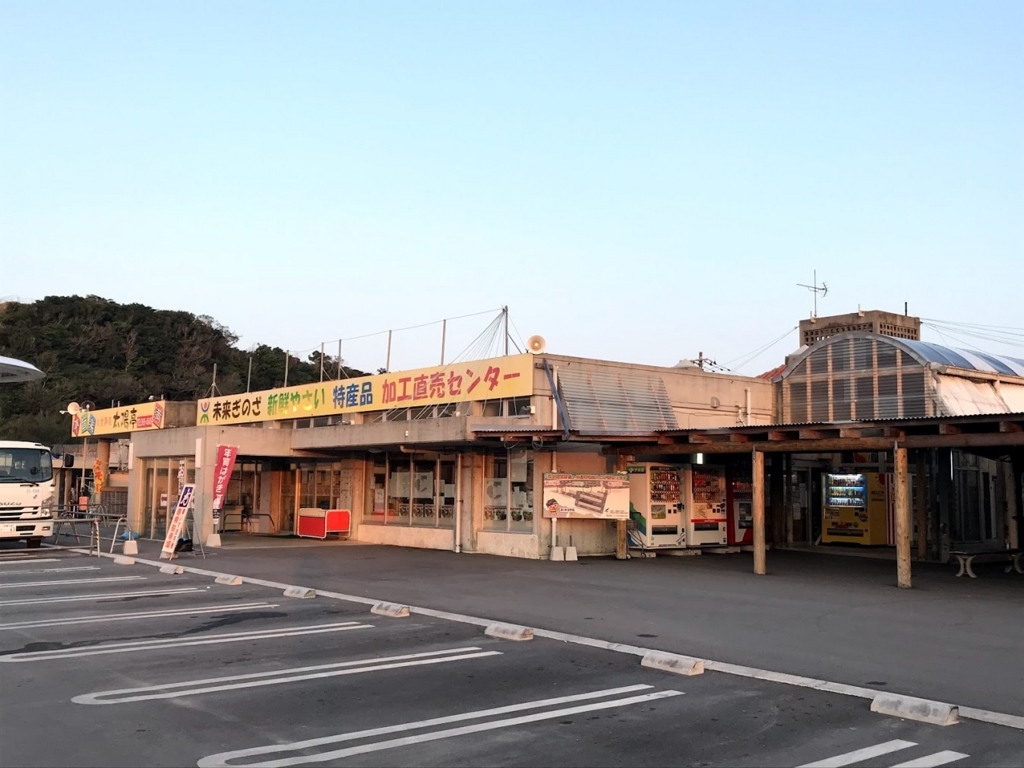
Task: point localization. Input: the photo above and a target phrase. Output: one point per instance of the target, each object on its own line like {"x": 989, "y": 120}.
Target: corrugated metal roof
{"x": 613, "y": 402}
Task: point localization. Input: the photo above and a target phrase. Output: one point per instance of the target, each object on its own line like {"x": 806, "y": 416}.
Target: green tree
{"x": 98, "y": 351}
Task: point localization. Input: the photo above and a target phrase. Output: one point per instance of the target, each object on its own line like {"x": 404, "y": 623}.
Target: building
{"x": 451, "y": 457}
{"x": 871, "y": 321}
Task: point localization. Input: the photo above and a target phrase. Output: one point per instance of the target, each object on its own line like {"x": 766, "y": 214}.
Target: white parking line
{"x": 280, "y": 676}
{"x": 98, "y": 596}
{"x": 54, "y": 582}
{"x": 50, "y": 570}
{"x": 931, "y": 761}
{"x": 971, "y": 713}
{"x": 860, "y": 755}
{"x": 177, "y": 642}
{"x": 221, "y": 760}
{"x": 134, "y": 616}
{"x": 7, "y": 561}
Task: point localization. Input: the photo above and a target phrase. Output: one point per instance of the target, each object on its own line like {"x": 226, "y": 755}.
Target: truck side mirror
{"x": 69, "y": 460}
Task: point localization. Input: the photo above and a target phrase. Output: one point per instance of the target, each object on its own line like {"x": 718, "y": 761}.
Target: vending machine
{"x": 656, "y": 506}
{"x": 854, "y": 509}
{"x": 707, "y": 518}
{"x": 740, "y": 505}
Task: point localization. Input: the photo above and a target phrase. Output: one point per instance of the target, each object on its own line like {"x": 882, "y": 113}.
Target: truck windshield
{"x": 25, "y": 465}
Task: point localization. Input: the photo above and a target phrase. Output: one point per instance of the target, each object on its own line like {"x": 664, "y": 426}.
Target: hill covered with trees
{"x": 93, "y": 349}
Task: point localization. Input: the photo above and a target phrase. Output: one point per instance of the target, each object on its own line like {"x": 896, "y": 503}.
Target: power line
{"x": 749, "y": 357}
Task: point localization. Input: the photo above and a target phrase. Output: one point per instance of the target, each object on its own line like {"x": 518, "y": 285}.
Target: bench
{"x": 966, "y": 558}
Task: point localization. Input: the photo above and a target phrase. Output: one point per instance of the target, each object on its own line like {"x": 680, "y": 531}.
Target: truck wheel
{"x": 34, "y": 543}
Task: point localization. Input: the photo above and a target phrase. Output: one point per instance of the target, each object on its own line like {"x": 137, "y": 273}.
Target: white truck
{"x": 26, "y": 492}
{"x": 26, "y": 475}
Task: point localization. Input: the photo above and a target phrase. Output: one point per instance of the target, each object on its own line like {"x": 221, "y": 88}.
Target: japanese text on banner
{"x": 493, "y": 379}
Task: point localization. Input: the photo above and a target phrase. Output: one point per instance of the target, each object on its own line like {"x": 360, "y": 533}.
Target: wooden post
{"x": 787, "y": 496}
{"x": 921, "y": 505}
{"x": 902, "y": 518}
{"x": 758, "y": 490}
{"x": 621, "y": 542}
{"x": 775, "y": 492}
{"x": 1015, "y": 491}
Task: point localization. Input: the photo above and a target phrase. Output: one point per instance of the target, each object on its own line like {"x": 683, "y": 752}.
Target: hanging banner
{"x": 177, "y": 524}
{"x": 226, "y": 455}
{"x": 597, "y": 497}
{"x": 494, "y": 379}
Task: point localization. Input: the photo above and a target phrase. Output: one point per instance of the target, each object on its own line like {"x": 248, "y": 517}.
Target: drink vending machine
{"x": 855, "y": 508}
{"x": 707, "y": 519}
{"x": 656, "y": 506}
{"x": 740, "y": 499}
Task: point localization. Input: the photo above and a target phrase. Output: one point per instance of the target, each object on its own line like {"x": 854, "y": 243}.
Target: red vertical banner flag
{"x": 224, "y": 466}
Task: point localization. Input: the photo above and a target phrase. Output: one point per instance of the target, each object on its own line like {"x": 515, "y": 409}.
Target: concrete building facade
{"x": 462, "y": 470}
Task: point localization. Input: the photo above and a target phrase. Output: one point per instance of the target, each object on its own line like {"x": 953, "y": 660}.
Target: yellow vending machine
{"x": 656, "y": 506}
{"x": 854, "y": 509}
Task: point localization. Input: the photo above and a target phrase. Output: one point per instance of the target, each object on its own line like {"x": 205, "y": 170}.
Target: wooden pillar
{"x": 778, "y": 514}
{"x": 902, "y": 518}
{"x": 787, "y": 497}
{"x": 758, "y": 491}
{"x": 921, "y": 504}
{"x": 621, "y": 539}
{"x": 1015, "y": 491}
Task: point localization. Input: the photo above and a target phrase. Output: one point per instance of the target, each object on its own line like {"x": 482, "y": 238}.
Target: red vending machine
{"x": 740, "y": 505}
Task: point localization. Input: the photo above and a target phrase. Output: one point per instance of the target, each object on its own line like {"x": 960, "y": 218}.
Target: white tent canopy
{"x": 13, "y": 371}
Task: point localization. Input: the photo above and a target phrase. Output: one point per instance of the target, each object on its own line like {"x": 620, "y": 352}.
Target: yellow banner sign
{"x": 493, "y": 379}
{"x": 113, "y": 421}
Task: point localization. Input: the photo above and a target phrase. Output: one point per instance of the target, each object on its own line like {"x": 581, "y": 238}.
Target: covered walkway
{"x": 1000, "y": 436}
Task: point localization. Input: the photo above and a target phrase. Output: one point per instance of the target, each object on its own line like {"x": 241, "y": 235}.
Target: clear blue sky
{"x": 638, "y": 181}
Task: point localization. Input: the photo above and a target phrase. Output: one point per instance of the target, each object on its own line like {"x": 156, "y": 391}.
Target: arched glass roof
{"x": 965, "y": 358}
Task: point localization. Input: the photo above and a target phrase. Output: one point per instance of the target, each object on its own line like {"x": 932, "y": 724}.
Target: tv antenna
{"x": 816, "y": 289}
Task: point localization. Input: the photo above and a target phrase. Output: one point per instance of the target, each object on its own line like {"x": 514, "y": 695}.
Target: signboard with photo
{"x": 596, "y": 497}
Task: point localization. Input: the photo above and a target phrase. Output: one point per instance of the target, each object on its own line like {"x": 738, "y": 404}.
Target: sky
{"x": 635, "y": 181}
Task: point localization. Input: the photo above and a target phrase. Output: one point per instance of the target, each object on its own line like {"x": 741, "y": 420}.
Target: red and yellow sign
{"x": 113, "y": 421}
{"x": 494, "y": 379}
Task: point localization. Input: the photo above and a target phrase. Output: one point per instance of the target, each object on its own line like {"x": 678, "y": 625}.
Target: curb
{"x": 674, "y": 663}
{"x": 509, "y": 631}
{"x": 394, "y": 610}
{"x": 913, "y": 708}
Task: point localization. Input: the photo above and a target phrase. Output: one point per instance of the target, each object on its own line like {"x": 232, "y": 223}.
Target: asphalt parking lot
{"x": 122, "y": 665}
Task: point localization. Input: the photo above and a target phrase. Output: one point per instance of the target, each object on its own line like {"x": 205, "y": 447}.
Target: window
{"x": 419, "y": 491}
{"x": 25, "y": 465}
{"x": 841, "y": 355}
{"x": 398, "y": 491}
{"x": 865, "y": 397}
{"x": 797, "y": 402}
{"x": 913, "y": 393}
{"x": 424, "y": 494}
{"x": 840, "y": 400}
{"x": 508, "y": 492}
{"x": 496, "y": 493}
{"x": 521, "y": 497}
{"x": 819, "y": 401}
{"x": 307, "y": 487}
{"x": 373, "y": 507}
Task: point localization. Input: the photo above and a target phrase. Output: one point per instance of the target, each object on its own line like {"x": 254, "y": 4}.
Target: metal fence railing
{"x": 100, "y": 524}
